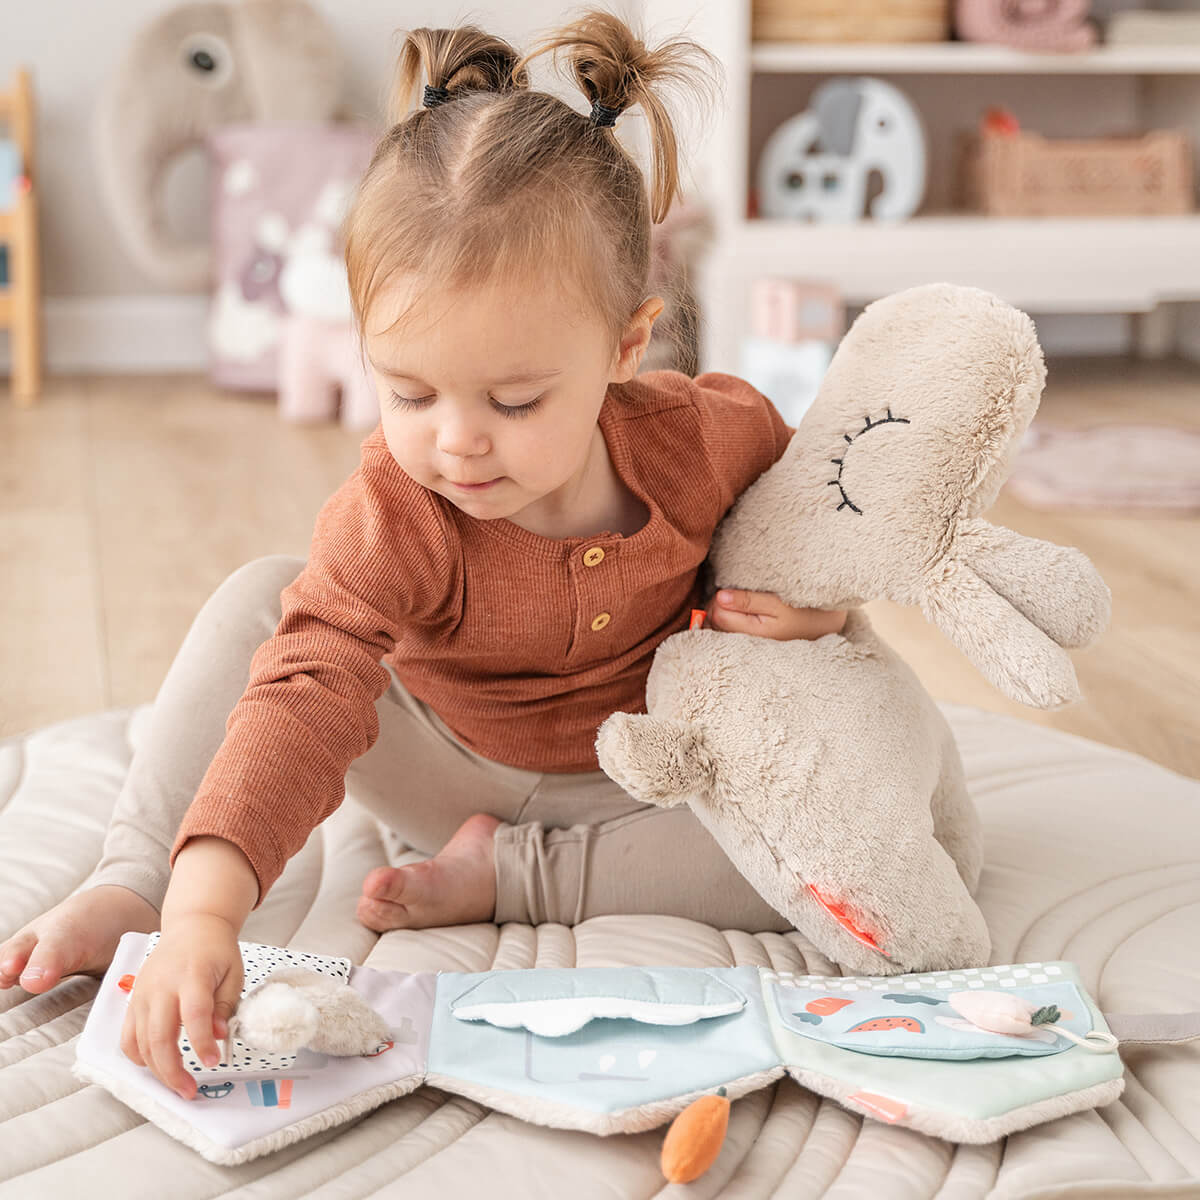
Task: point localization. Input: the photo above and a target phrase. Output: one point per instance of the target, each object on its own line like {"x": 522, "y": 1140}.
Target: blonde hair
{"x": 499, "y": 180}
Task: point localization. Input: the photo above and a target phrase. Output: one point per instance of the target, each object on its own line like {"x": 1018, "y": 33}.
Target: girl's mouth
{"x": 476, "y": 487}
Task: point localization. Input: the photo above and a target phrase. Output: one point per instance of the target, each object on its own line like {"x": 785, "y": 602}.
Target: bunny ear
{"x": 1009, "y": 649}
{"x": 1055, "y": 587}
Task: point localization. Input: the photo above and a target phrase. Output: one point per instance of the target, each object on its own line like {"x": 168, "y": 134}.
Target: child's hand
{"x": 192, "y": 977}
{"x": 763, "y": 613}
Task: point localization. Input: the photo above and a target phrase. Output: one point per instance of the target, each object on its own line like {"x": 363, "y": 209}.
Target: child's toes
{"x": 419, "y": 887}
{"x": 43, "y": 970}
{"x": 381, "y": 915}
{"x": 383, "y": 883}
{"x": 13, "y": 956}
{"x": 50, "y": 958}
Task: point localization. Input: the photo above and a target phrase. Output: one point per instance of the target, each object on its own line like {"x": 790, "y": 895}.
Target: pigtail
{"x": 459, "y": 60}
{"x": 615, "y": 68}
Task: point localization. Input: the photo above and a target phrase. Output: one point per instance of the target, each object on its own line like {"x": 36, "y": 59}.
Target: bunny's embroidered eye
{"x": 841, "y": 462}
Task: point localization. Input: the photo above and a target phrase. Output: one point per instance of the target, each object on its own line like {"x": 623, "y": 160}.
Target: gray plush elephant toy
{"x": 823, "y": 768}
{"x": 194, "y": 68}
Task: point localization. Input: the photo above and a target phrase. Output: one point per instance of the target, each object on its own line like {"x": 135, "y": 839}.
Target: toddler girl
{"x": 526, "y": 524}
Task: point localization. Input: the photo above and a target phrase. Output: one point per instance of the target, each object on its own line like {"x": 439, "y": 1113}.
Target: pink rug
{"x": 1131, "y": 467}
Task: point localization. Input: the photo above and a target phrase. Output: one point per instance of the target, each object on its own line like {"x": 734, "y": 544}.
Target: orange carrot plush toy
{"x": 693, "y": 1143}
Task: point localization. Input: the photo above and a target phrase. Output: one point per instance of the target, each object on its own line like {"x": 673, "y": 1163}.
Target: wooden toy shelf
{"x": 20, "y": 307}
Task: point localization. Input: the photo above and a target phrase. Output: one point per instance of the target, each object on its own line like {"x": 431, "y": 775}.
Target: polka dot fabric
{"x": 258, "y": 961}
{"x": 969, "y": 977}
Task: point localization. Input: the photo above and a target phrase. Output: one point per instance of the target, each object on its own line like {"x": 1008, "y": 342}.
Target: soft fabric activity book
{"x": 624, "y": 1049}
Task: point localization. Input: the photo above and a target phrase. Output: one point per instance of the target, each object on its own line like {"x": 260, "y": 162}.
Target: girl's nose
{"x": 461, "y": 439}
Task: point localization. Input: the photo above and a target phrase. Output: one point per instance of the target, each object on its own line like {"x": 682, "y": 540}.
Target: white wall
{"x": 81, "y": 256}
{"x": 101, "y": 310}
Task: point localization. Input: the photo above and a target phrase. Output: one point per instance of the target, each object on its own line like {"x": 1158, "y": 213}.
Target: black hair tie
{"x": 435, "y": 96}
{"x": 603, "y": 115}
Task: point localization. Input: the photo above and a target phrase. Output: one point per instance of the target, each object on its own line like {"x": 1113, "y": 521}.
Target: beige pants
{"x": 572, "y": 846}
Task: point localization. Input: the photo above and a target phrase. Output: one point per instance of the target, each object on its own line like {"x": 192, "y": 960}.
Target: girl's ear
{"x": 636, "y": 339}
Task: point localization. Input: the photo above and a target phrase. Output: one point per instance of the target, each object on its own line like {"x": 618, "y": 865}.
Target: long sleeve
{"x": 743, "y": 431}
{"x": 379, "y": 558}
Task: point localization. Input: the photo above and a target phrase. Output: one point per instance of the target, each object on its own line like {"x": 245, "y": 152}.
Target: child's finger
{"x": 730, "y": 600}
{"x": 739, "y": 622}
{"x": 751, "y": 603}
{"x": 745, "y": 613}
{"x": 163, "y": 1037}
{"x": 129, "y": 1044}
{"x": 196, "y": 1008}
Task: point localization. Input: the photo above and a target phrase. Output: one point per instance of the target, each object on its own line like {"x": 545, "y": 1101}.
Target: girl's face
{"x": 499, "y": 385}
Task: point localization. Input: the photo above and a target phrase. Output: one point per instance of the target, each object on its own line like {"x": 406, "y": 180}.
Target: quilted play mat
{"x": 1092, "y": 867}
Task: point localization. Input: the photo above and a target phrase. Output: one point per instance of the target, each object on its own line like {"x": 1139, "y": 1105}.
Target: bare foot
{"x": 455, "y": 887}
{"x": 79, "y": 936}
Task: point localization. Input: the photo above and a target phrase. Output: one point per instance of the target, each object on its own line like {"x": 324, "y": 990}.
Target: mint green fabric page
{"x": 898, "y": 1037}
{"x": 610, "y": 1064}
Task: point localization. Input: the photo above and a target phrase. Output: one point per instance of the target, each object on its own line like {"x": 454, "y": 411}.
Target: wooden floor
{"x": 124, "y": 501}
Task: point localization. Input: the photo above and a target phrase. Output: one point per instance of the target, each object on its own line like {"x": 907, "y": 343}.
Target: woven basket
{"x": 851, "y": 20}
{"x": 1026, "y": 175}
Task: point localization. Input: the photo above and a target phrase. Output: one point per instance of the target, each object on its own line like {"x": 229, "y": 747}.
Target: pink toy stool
{"x": 317, "y": 359}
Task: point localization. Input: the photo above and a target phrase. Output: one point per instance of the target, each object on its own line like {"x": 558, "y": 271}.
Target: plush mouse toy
{"x": 296, "y": 1008}
{"x": 823, "y": 768}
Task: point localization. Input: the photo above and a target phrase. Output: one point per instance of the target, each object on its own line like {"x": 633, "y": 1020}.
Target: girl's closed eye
{"x": 507, "y": 410}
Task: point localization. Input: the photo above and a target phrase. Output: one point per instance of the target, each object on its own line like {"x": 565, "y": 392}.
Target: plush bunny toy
{"x": 823, "y": 768}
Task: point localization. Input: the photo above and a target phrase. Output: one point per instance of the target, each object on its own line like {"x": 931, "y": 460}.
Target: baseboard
{"x": 117, "y": 334}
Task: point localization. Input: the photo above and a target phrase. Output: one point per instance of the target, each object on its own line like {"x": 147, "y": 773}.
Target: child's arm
{"x": 211, "y": 876}
{"x": 380, "y": 558}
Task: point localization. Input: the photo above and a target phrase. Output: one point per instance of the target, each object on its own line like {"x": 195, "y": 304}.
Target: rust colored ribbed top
{"x": 500, "y": 630}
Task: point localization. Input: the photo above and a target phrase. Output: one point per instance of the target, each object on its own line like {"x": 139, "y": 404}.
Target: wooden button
{"x": 600, "y": 620}
{"x": 593, "y": 556}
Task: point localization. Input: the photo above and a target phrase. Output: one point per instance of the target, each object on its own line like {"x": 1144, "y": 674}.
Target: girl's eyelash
{"x": 506, "y": 410}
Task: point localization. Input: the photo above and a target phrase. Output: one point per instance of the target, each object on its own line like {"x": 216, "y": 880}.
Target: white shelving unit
{"x": 1142, "y": 265}
{"x": 956, "y": 58}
